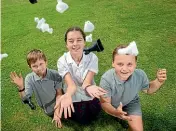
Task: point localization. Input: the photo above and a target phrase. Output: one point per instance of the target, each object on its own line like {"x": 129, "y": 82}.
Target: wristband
{"x": 21, "y": 90}
{"x": 86, "y": 87}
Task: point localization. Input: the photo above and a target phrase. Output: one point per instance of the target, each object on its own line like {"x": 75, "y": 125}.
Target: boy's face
{"x": 75, "y": 42}
{"x": 124, "y": 66}
{"x": 39, "y": 67}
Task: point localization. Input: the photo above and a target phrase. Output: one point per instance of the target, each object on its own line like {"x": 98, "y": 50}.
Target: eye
{"x": 79, "y": 40}
{"x": 41, "y": 64}
{"x": 34, "y": 66}
{"x": 70, "y": 41}
{"x": 119, "y": 64}
{"x": 130, "y": 64}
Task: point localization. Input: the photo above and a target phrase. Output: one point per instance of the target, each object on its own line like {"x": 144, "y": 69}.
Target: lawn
{"x": 151, "y": 23}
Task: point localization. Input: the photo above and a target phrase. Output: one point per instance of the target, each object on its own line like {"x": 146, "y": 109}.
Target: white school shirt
{"x": 78, "y": 73}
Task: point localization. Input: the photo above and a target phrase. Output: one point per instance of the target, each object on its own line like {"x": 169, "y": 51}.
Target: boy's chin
{"x": 124, "y": 78}
{"x": 41, "y": 74}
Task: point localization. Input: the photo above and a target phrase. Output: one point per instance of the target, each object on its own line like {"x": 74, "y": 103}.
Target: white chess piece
{"x": 40, "y": 22}
{"x": 88, "y": 26}
{"x": 61, "y": 6}
{"x": 42, "y": 25}
{"x": 3, "y": 56}
{"x": 131, "y": 49}
{"x": 89, "y": 38}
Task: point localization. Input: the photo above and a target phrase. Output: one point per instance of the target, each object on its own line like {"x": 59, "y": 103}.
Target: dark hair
{"x": 35, "y": 55}
{"x": 116, "y": 51}
{"x": 75, "y": 28}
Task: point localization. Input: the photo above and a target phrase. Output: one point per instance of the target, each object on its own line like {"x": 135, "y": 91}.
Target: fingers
{"x": 57, "y": 104}
{"x": 61, "y": 111}
{"x": 69, "y": 111}
{"x": 57, "y": 122}
{"x": 120, "y": 105}
{"x": 127, "y": 118}
{"x": 96, "y": 95}
{"x": 73, "y": 110}
{"x": 65, "y": 112}
{"x": 91, "y": 94}
{"x": 102, "y": 90}
{"x": 161, "y": 75}
{"x": 20, "y": 75}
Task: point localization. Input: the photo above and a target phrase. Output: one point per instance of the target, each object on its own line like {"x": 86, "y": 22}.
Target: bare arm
{"x": 106, "y": 106}
{"x": 93, "y": 90}
{"x": 71, "y": 86}
{"x": 18, "y": 80}
{"x": 158, "y": 82}
{"x": 116, "y": 112}
{"x": 64, "y": 102}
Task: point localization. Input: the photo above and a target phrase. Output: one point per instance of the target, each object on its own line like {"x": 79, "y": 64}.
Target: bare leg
{"x": 136, "y": 124}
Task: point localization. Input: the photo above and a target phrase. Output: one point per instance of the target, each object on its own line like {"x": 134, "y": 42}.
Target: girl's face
{"x": 75, "y": 42}
{"x": 124, "y": 66}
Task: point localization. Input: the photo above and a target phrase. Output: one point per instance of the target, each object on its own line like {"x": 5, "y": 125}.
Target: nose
{"x": 39, "y": 68}
{"x": 124, "y": 68}
{"x": 75, "y": 43}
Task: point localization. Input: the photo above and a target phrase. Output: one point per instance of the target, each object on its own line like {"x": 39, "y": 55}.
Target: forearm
{"x": 71, "y": 86}
{"x": 22, "y": 94}
{"x": 88, "y": 80}
{"x": 21, "y": 91}
{"x": 58, "y": 93}
{"x": 154, "y": 86}
{"x": 71, "y": 89}
{"x": 108, "y": 108}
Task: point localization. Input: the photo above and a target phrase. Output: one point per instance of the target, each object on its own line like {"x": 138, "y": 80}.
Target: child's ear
{"x": 113, "y": 64}
{"x": 29, "y": 66}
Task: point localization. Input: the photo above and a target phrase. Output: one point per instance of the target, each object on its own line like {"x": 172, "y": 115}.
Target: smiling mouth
{"x": 75, "y": 49}
{"x": 124, "y": 73}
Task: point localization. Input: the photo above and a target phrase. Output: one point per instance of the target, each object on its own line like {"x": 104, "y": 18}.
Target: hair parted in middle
{"x": 75, "y": 28}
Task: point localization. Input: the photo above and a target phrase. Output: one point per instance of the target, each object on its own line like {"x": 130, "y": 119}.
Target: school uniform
{"x": 125, "y": 91}
{"x": 86, "y": 108}
{"x": 44, "y": 89}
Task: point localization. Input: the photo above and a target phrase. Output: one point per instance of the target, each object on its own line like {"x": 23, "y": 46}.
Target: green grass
{"x": 150, "y": 23}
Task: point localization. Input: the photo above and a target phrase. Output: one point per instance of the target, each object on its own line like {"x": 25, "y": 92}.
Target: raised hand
{"x": 95, "y": 91}
{"x": 18, "y": 80}
{"x": 121, "y": 114}
{"x": 66, "y": 105}
{"x": 161, "y": 75}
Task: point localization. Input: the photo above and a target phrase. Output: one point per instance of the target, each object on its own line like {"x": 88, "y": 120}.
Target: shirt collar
{"x": 118, "y": 79}
{"x": 70, "y": 59}
{"x": 36, "y": 77}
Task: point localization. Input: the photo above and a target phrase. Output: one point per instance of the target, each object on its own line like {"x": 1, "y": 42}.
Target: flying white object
{"x": 42, "y": 25}
{"x": 89, "y": 38}
{"x": 88, "y": 26}
{"x": 61, "y": 7}
{"x": 3, "y": 56}
{"x": 131, "y": 49}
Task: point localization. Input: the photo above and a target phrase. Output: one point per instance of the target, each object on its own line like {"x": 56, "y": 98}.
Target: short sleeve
{"x": 62, "y": 66}
{"x": 93, "y": 65}
{"x": 58, "y": 81}
{"x": 28, "y": 86}
{"x": 145, "y": 81}
{"x": 106, "y": 86}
